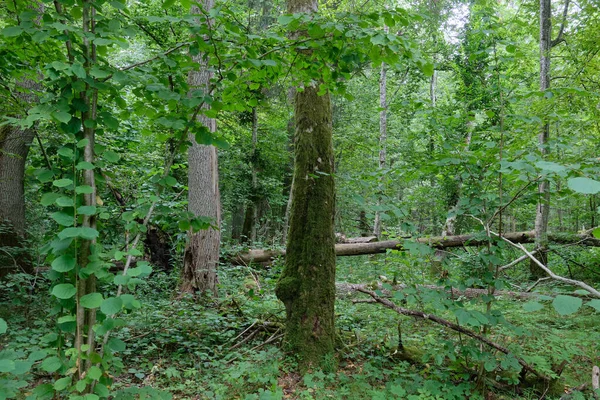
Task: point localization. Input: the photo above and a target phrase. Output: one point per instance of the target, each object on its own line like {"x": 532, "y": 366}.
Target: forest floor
{"x": 229, "y": 348}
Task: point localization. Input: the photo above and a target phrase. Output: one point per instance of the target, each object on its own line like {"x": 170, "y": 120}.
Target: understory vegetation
{"x": 297, "y": 199}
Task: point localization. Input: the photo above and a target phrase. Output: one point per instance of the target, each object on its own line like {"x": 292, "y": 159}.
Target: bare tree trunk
{"x": 202, "y": 252}
{"x": 14, "y": 147}
{"x": 307, "y": 283}
{"x": 543, "y": 207}
{"x": 382, "y": 142}
{"x": 251, "y": 218}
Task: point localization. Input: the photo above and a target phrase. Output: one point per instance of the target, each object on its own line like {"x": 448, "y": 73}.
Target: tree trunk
{"x": 382, "y": 142}
{"x": 202, "y": 252}
{"x": 251, "y": 218}
{"x": 14, "y": 147}
{"x": 307, "y": 283}
{"x": 543, "y": 206}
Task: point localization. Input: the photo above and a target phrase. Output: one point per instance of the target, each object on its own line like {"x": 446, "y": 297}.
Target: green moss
{"x": 307, "y": 283}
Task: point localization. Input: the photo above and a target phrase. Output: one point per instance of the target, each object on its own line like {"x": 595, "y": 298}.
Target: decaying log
{"x": 440, "y": 242}
{"x": 430, "y": 317}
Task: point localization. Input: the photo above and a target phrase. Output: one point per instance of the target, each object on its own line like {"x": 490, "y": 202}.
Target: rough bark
{"x": 249, "y": 229}
{"x": 202, "y": 252}
{"x": 307, "y": 284}
{"x": 543, "y": 206}
{"x": 382, "y": 142}
{"x": 356, "y": 249}
{"x": 14, "y": 147}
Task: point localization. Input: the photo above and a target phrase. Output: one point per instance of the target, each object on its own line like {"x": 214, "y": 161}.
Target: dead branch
{"x": 419, "y": 314}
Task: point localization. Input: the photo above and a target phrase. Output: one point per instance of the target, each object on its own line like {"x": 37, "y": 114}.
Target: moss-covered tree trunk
{"x": 307, "y": 283}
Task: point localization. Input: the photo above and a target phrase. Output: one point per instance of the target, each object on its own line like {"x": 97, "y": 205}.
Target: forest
{"x": 300, "y": 199}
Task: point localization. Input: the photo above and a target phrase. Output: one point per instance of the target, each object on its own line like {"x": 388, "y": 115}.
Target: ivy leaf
{"x": 566, "y": 305}
{"x": 64, "y": 291}
{"x": 584, "y": 185}
{"x": 92, "y": 300}
{"x": 64, "y": 263}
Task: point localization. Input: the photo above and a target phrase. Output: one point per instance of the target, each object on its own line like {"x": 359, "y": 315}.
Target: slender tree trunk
{"x": 543, "y": 206}
{"x": 251, "y": 218}
{"x": 202, "y": 252}
{"x": 307, "y": 283}
{"x": 382, "y": 143}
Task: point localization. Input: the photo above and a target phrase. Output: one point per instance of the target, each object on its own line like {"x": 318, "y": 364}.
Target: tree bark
{"x": 14, "y": 147}
{"x": 440, "y": 242}
{"x": 382, "y": 142}
{"x": 543, "y": 206}
{"x": 307, "y": 283}
{"x": 202, "y": 252}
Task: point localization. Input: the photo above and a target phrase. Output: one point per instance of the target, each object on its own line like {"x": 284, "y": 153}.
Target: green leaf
{"x": 78, "y": 71}
{"x": 3, "y": 326}
{"x": 566, "y": 305}
{"x": 84, "y": 165}
{"x": 170, "y": 181}
{"x": 427, "y": 69}
{"x": 64, "y": 291}
{"x": 62, "y": 218}
{"x": 62, "y": 383}
{"x": 66, "y": 152}
{"x": 116, "y": 344}
{"x": 91, "y": 300}
{"x": 111, "y": 306}
{"x": 550, "y": 166}
{"x": 51, "y": 364}
{"x": 84, "y": 189}
{"x": 111, "y": 156}
{"x": 82, "y": 232}
{"x": 45, "y": 176}
{"x": 82, "y": 143}
{"x": 6, "y": 365}
{"x": 12, "y": 31}
{"x": 64, "y": 201}
{"x": 62, "y": 182}
{"x": 584, "y": 185}
{"x": 86, "y": 210}
{"x": 168, "y": 4}
{"x": 62, "y": 116}
{"x": 122, "y": 279}
{"x": 532, "y": 306}
{"x": 596, "y": 233}
{"x": 594, "y": 303}
{"x": 49, "y": 198}
{"x": 94, "y": 372}
{"x": 64, "y": 263}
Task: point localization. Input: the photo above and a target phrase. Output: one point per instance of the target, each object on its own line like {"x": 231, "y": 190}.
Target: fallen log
{"x": 439, "y": 242}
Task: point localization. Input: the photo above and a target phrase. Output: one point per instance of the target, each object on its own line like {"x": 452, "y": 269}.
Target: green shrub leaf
{"x": 64, "y": 291}
{"x": 566, "y": 305}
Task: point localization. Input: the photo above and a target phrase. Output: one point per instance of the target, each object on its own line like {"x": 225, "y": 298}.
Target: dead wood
{"x": 439, "y": 242}
{"x": 451, "y": 325}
